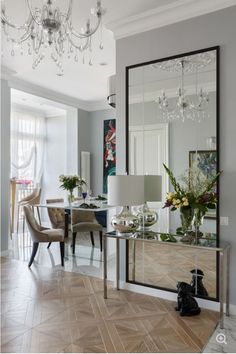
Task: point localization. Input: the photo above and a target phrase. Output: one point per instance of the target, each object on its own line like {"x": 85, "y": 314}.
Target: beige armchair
{"x": 42, "y": 234}
{"x": 31, "y": 199}
{"x": 56, "y": 215}
{"x": 85, "y": 221}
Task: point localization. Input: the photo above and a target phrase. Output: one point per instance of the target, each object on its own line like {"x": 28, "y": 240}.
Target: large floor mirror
{"x": 172, "y": 110}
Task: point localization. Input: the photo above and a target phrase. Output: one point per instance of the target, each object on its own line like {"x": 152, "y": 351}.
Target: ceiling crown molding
{"x": 161, "y": 16}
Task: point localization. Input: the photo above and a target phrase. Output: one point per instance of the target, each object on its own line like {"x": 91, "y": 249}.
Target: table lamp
{"x": 125, "y": 191}
{"x": 152, "y": 193}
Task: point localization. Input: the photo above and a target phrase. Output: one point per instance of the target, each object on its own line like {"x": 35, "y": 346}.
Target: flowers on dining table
{"x": 195, "y": 190}
{"x": 70, "y": 182}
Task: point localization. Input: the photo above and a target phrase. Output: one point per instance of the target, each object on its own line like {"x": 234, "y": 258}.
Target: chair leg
{"x": 38, "y": 215}
{"x": 23, "y": 226}
{"x": 49, "y": 244}
{"x": 73, "y": 242}
{"x": 91, "y": 237}
{"x": 62, "y": 249}
{"x": 100, "y": 235}
{"x": 18, "y": 216}
{"x": 34, "y": 251}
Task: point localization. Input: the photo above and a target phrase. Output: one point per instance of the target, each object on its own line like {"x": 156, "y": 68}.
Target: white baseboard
{"x": 207, "y": 304}
{"x": 232, "y": 309}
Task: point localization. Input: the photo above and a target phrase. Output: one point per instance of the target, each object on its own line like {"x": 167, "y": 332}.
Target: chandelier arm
{"x": 39, "y": 23}
{"x": 23, "y": 38}
{"x": 81, "y": 48}
{"x": 69, "y": 10}
{"x": 15, "y": 26}
{"x": 86, "y": 34}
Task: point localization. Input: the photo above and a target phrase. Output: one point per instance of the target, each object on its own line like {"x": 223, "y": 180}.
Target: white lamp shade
{"x": 153, "y": 188}
{"x": 125, "y": 190}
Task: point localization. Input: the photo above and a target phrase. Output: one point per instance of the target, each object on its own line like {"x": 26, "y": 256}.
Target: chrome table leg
{"x": 117, "y": 263}
{"x": 221, "y": 289}
{"x": 105, "y": 266}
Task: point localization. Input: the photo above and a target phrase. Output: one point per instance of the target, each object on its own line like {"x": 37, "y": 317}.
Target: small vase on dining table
{"x": 71, "y": 197}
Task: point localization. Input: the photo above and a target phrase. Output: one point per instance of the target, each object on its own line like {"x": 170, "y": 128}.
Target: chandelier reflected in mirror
{"x": 48, "y": 27}
{"x": 186, "y": 105}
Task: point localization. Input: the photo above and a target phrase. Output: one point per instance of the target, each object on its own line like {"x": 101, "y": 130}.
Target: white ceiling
{"x": 124, "y": 17}
{"x": 22, "y": 101}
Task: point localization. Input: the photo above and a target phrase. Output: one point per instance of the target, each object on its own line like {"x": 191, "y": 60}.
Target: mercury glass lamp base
{"x": 147, "y": 218}
{"x": 125, "y": 222}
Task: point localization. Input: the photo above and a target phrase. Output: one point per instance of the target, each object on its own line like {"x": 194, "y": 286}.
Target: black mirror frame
{"x": 217, "y": 49}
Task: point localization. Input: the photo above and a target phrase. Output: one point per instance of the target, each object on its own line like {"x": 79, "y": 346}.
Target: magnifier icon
{"x": 221, "y": 338}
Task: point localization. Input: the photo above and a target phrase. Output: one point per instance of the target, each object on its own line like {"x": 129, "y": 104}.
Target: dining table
{"x": 101, "y": 206}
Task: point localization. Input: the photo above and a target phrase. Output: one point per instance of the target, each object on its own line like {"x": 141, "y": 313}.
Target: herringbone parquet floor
{"x": 50, "y": 310}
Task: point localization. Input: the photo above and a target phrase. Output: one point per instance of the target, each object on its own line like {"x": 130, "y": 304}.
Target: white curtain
{"x": 28, "y": 133}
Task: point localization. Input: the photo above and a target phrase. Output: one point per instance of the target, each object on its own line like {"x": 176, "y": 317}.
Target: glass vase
{"x": 198, "y": 221}
{"x": 186, "y": 217}
{"x": 71, "y": 197}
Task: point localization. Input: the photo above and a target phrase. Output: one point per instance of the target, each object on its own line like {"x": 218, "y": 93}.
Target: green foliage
{"x": 195, "y": 191}
{"x": 165, "y": 237}
{"x": 69, "y": 183}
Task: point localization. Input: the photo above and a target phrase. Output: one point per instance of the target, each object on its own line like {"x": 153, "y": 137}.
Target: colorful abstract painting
{"x": 109, "y": 151}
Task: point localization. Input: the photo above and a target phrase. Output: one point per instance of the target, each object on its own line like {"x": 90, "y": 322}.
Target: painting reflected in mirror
{"x": 172, "y": 119}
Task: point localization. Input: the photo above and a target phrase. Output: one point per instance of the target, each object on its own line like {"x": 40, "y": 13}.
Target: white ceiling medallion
{"x": 174, "y": 12}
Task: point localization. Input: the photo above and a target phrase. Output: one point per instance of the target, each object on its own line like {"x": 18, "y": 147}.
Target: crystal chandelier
{"x": 49, "y": 27}
{"x": 191, "y": 106}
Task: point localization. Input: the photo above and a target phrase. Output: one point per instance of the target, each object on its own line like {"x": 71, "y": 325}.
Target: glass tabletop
{"x": 205, "y": 240}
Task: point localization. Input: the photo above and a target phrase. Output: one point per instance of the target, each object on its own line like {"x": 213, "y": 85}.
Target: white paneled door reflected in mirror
{"x": 172, "y": 119}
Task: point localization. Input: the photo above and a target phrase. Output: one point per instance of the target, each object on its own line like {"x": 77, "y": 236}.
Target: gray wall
{"x": 205, "y": 31}
{"x": 71, "y": 140}
{"x": 96, "y": 119}
{"x": 5, "y": 163}
{"x": 83, "y": 133}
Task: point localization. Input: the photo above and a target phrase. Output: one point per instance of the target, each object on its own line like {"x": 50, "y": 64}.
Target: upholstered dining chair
{"x": 56, "y": 215}
{"x": 42, "y": 234}
{"x": 32, "y": 200}
{"x": 85, "y": 221}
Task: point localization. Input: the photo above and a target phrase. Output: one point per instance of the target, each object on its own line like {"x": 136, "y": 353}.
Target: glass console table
{"x": 205, "y": 243}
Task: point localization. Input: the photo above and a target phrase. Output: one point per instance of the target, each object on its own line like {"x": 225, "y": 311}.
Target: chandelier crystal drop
{"x": 49, "y": 27}
{"x": 185, "y": 106}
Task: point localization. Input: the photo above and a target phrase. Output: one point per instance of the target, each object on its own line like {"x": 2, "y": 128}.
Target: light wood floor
{"x": 50, "y": 310}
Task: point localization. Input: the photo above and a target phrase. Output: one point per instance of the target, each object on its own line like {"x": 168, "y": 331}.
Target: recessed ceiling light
{"x": 103, "y": 63}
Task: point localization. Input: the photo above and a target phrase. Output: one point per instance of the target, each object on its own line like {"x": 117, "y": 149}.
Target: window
{"x": 28, "y": 133}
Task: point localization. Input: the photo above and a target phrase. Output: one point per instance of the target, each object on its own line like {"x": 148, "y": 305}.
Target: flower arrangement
{"x": 69, "y": 183}
{"x": 195, "y": 191}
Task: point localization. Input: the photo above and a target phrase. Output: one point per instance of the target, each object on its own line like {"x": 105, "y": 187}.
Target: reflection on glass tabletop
{"x": 206, "y": 239}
